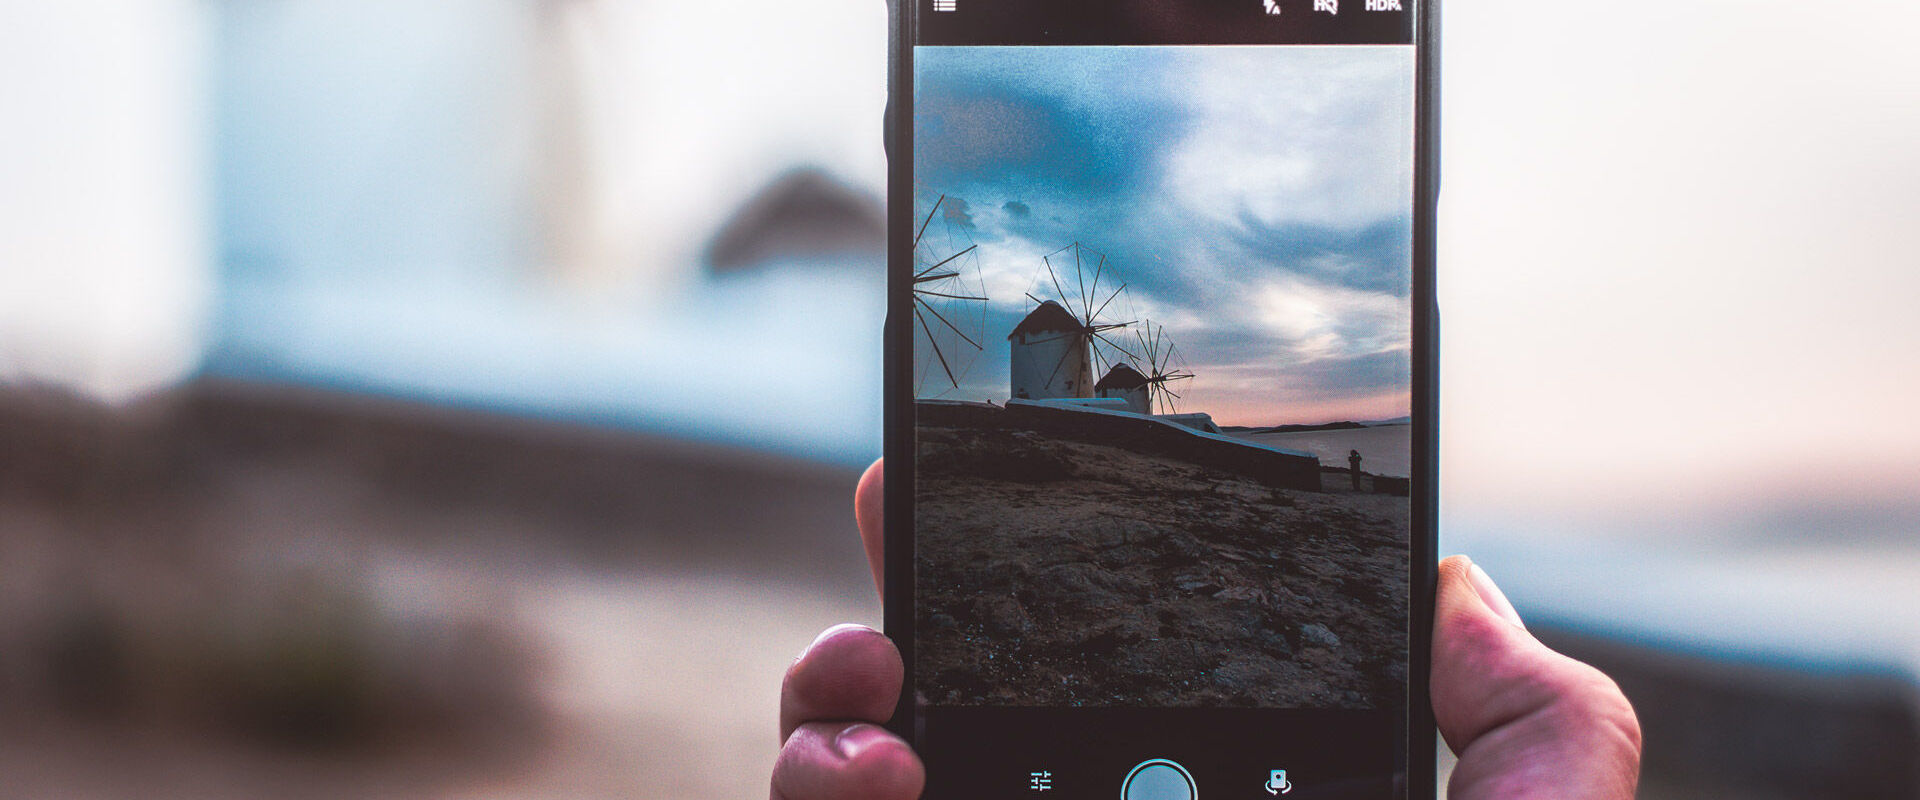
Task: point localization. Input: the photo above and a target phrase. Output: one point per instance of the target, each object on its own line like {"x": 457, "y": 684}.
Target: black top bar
{"x": 1163, "y": 22}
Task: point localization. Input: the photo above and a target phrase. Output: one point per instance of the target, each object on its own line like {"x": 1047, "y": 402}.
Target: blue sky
{"x": 1255, "y": 200}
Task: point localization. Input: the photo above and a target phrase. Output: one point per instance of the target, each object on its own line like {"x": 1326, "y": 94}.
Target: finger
{"x": 869, "y": 513}
{"x": 850, "y": 673}
{"x": 1523, "y": 719}
{"x": 846, "y": 761}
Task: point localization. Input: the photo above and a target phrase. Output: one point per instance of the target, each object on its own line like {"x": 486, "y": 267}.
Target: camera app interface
{"x": 1162, "y": 321}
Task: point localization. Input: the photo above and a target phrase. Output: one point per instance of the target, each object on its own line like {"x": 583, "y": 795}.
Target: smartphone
{"x": 1161, "y": 396}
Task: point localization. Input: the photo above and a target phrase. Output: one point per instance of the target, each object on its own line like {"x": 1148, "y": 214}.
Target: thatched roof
{"x": 1121, "y": 377}
{"x": 1049, "y": 317}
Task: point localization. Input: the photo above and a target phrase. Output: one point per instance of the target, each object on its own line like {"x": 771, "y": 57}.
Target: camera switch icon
{"x": 1277, "y": 783}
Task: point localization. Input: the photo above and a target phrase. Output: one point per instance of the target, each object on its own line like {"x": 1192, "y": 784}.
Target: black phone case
{"x": 1420, "y": 742}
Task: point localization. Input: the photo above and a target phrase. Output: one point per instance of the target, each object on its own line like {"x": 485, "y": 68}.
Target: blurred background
{"x": 427, "y": 399}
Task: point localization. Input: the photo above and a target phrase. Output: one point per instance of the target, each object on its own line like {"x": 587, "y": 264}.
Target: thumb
{"x": 1525, "y": 721}
{"x": 869, "y": 513}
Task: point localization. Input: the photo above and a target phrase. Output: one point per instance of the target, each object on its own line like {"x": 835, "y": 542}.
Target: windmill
{"x": 949, "y": 306}
{"x": 1059, "y": 345}
{"x": 1161, "y": 365}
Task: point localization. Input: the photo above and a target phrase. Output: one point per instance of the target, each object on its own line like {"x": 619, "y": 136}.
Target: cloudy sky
{"x": 1254, "y": 200}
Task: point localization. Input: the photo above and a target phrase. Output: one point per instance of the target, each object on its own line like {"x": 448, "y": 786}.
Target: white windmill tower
{"x": 949, "y": 307}
{"x": 1059, "y": 345}
{"x": 1126, "y": 383}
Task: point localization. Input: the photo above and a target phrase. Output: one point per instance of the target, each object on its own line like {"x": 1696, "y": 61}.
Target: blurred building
{"x": 462, "y": 203}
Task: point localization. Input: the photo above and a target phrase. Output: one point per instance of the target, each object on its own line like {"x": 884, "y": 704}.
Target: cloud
{"x": 956, "y": 212}
{"x": 1323, "y": 136}
{"x": 1376, "y": 257}
{"x": 1007, "y": 118}
{"x": 1256, "y": 201}
{"x": 1292, "y": 323}
{"x": 1334, "y": 379}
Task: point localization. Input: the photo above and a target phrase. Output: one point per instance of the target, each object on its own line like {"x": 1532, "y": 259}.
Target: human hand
{"x": 1524, "y": 720}
{"x": 836, "y": 694}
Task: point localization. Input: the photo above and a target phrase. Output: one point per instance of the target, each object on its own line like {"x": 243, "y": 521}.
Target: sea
{"x": 1384, "y": 449}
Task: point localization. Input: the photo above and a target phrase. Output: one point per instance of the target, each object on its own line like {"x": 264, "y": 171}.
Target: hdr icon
{"x": 1329, "y": 6}
{"x": 1384, "y": 5}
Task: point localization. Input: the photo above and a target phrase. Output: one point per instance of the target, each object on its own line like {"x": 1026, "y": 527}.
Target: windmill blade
{"x": 1116, "y": 293}
{"x": 1061, "y": 249}
{"x": 1165, "y": 361}
{"x": 1080, "y": 274}
{"x": 949, "y": 296}
{"x": 945, "y": 261}
{"x": 934, "y": 345}
{"x": 1111, "y": 343}
{"x": 1056, "y": 279}
{"x": 950, "y": 300}
{"x": 922, "y": 304}
{"x": 1156, "y": 346}
{"x": 923, "y": 225}
{"x": 1101, "y": 361}
{"x": 1036, "y": 300}
{"x": 1096, "y": 276}
{"x": 1166, "y": 398}
{"x": 1125, "y": 356}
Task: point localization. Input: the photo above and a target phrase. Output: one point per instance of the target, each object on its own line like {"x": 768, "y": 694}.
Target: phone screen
{"x": 1162, "y": 372}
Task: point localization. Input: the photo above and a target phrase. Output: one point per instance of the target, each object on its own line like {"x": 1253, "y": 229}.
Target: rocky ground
{"x": 1064, "y": 573}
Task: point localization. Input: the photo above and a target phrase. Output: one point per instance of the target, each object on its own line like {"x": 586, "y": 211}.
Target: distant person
{"x": 1353, "y": 467}
{"x": 1525, "y": 720}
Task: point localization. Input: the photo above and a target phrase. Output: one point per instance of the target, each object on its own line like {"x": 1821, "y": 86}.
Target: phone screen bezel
{"x": 898, "y": 580}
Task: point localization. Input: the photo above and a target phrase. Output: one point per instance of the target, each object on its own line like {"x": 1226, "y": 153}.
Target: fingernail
{"x": 1492, "y": 596}
{"x": 835, "y": 631}
{"x": 856, "y": 738}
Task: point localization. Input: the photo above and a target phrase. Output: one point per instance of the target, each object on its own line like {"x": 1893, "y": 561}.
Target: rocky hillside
{"x": 1071, "y": 574}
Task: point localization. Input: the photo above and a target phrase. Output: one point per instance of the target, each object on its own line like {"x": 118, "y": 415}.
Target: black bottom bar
{"x": 1072, "y": 753}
